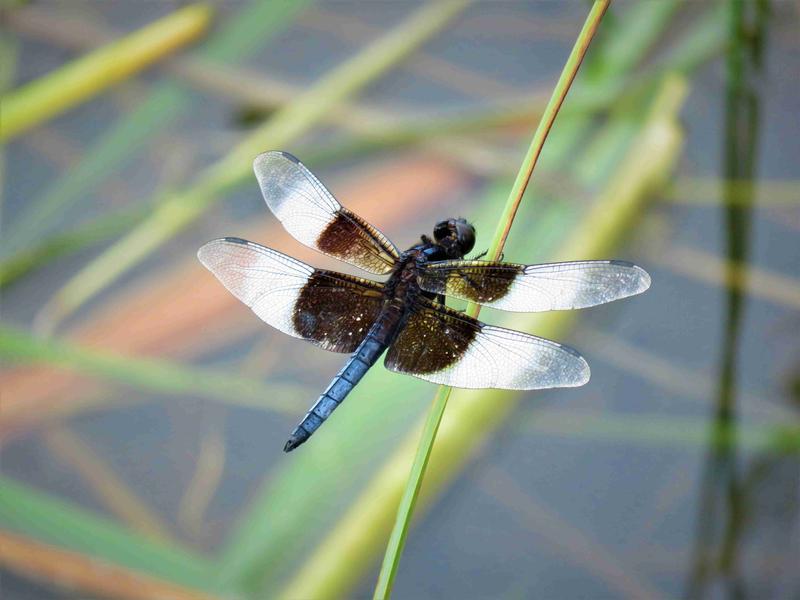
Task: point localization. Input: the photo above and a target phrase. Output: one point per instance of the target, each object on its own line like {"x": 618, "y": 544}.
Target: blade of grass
{"x": 677, "y": 433}
{"x": 9, "y": 55}
{"x": 82, "y": 573}
{"x": 32, "y": 513}
{"x": 253, "y": 25}
{"x": 394, "y": 550}
{"x": 64, "y": 244}
{"x": 707, "y": 191}
{"x": 342, "y": 556}
{"x": 612, "y": 87}
{"x": 710, "y": 268}
{"x": 629, "y": 39}
{"x": 673, "y": 378}
{"x": 205, "y": 482}
{"x": 177, "y": 211}
{"x": 152, "y": 375}
{"x": 556, "y": 100}
{"x": 78, "y": 81}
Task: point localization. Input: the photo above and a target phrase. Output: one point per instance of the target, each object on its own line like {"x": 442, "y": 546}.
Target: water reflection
{"x": 724, "y": 505}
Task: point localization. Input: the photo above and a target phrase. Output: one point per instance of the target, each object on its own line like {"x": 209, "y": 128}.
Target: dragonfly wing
{"x": 535, "y": 288}
{"x": 310, "y": 213}
{"x": 329, "y": 309}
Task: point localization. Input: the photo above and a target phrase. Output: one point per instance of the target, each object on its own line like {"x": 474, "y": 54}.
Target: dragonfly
{"x": 405, "y": 315}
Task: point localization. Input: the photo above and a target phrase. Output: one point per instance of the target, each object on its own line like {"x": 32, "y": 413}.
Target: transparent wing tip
{"x": 264, "y": 161}
{"x": 207, "y": 254}
{"x": 642, "y": 281}
{"x": 583, "y": 375}
{"x": 638, "y": 280}
{"x": 579, "y": 371}
{"x": 569, "y": 371}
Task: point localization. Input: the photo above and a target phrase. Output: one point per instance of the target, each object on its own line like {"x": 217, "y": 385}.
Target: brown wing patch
{"x": 477, "y": 281}
{"x": 350, "y": 238}
{"x": 335, "y": 310}
{"x": 444, "y": 346}
{"x": 431, "y": 340}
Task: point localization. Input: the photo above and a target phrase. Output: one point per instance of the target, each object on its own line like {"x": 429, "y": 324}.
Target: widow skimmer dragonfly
{"x": 406, "y": 314}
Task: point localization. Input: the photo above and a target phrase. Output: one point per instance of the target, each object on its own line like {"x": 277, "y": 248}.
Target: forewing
{"x": 444, "y": 346}
{"x": 535, "y": 288}
{"x": 331, "y": 310}
{"x": 314, "y": 217}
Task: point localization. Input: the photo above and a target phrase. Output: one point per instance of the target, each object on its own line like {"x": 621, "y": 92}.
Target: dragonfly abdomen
{"x": 362, "y": 359}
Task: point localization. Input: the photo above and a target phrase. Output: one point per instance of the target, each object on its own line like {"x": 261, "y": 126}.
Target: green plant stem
{"x": 405, "y": 510}
{"x": 394, "y": 550}
{"x": 546, "y": 123}
{"x": 60, "y": 90}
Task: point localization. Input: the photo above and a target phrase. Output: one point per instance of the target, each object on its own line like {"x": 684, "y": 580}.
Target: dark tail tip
{"x": 298, "y": 437}
{"x": 291, "y": 444}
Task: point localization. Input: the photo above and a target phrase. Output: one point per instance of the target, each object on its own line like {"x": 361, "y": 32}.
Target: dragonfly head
{"x": 456, "y": 236}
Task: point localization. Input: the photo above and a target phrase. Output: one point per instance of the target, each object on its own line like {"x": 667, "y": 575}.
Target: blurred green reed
{"x": 149, "y": 375}
{"x": 711, "y": 191}
{"x": 9, "y": 53}
{"x": 46, "y": 97}
{"x": 63, "y": 244}
{"x": 722, "y": 520}
{"x": 59, "y": 522}
{"x": 255, "y": 24}
{"x": 680, "y": 433}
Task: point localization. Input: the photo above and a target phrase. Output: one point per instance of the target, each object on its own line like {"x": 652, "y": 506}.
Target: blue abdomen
{"x": 362, "y": 359}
